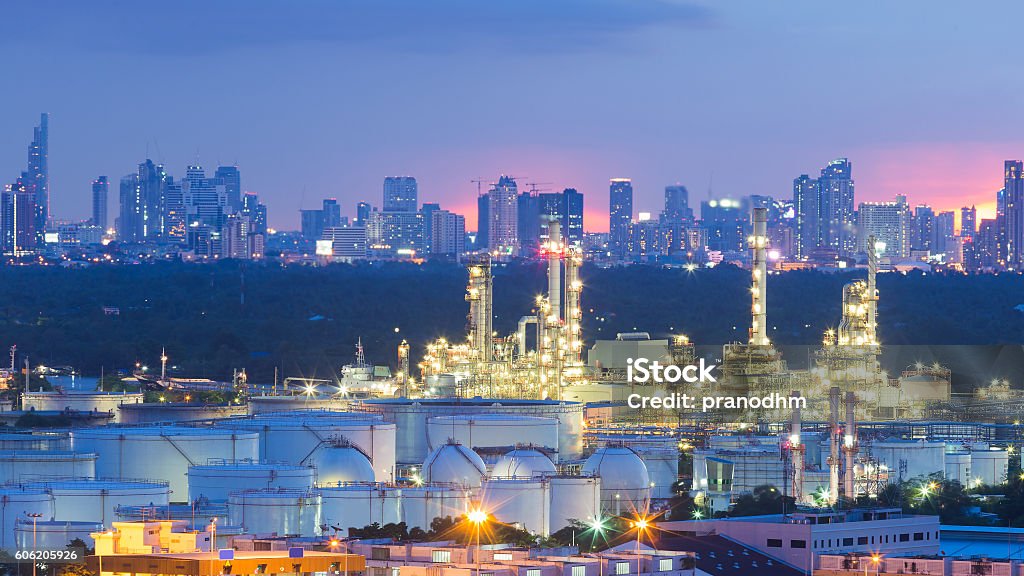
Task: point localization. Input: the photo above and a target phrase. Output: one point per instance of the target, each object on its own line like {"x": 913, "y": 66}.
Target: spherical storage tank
{"x": 453, "y": 463}
{"x": 421, "y": 504}
{"x": 162, "y": 452}
{"x": 958, "y": 467}
{"x": 284, "y": 512}
{"x": 573, "y": 498}
{"x": 493, "y": 430}
{"x": 625, "y": 483}
{"x": 523, "y": 463}
{"x": 215, "y": 481}
{"x": 97, "y": 500}
{"x": 525, "y": 502}
{"x": 16, "y": 503}
{"x": 909, "y": 458}
{"x": 17, "y": 465}
{"x": 296, "y": 439}
{"x": 989, "y": 466}
{"x": 358, "y": 505}
{"x": 340, "y": 463}
{"x": 54, "y": 534}
{"x": 662, "y": 468}
{"x": 412, "y": 415}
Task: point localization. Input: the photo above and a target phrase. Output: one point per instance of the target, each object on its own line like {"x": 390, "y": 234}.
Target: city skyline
{"x": 688, "y": 119}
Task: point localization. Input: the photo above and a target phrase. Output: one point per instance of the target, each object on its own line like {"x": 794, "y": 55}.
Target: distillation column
{"x": 797, "y": 451}
{"x": 872, "y": 295}
{"x": 833, "y": 441}
{"x": 758, "y": 243}
{"x": 554, "y": 252}
{"x": 479, "y": 296}
{"x": 573, "y": 312}
{"x": 849, "y": 445}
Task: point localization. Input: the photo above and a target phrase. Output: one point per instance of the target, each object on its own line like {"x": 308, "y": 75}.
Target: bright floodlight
{"x": 477, "y": 516}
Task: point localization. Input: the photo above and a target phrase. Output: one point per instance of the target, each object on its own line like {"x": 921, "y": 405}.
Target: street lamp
{"x": 876, "y": 559}
{"x": 477, "y": 517}
{"x": 641, "y": 524}
{"x": 34, "y": 516}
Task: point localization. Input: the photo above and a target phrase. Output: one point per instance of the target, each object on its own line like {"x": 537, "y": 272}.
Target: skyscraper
{"x": 363, "y": 210}
{"x": 331, "y": 213}
{"x": 231, "y": 178}
{"x": 37, "y": 178}
{"x": 944, "y": 239}
{"x": 448, "y": 232}
{"x": 206, "y": 199}
{"x": 428, "y": 210}
{"x": 131, "y": 224}
{"x": 256, "y": 211}
{"x": 1013, "y": 214}
{"x": 836, "y": 217}
{"x": 100, "y": 189}
{"x": 889, "y": 223}
{"x": 400, "y": 194}
{"x": 536, "y": 208}
{"x": 924, "y": 228}
{"x": 677, "y": 205}
{"x": 805, "y": 214}
{"x": 18, "y": 217}
{"x": 968, "y": 222}
{"x": 483, "y": 221}
{"x": 620, "y": 214}
{"x": 152, "y": 181}
{"x": 503, "y": 223}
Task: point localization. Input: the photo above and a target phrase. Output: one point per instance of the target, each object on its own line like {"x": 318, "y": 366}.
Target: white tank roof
{"x": 454, "y": 463}
{"x": 523, "y": 463}
{"x": 338, "y": 464}
{"x": 619, "y": 467}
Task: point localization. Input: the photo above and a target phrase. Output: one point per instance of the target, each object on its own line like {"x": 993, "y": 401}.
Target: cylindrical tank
{"x": 28, "y": 441}
{"x": 296, "y": 439}
{"x": 958, "y": 467}
{"x": 264, "y": 404}
{"x": 339, "y": 463}
{"x": 282, "y": 512}
{"x": 625, "y": 483}
{"x": 573, "y": 498}
{"x": 453, "y": 463}
{"x": 908, "y": 459}
{"x": 15, "y": 504}
{"x": 421, "y": 504}
{"x": 493, "y": 430}
{"x": 662, "y": 469}
{"x": 523, "y": 463}
{"x": 412, "y": 415}
{"x": 524, "y": 502}
{"x": 97, "y": 500}
{"x": 359, "y": 505}
{"x": 989, "y": 466}
{"x": 19, "y": 466}
{"x": 81, "y": 401}
{"x": 216, "y": 481}
{"x": 163, "y": 452}
{"x": 172, "y": 412}
{"x": 54, "y": 534}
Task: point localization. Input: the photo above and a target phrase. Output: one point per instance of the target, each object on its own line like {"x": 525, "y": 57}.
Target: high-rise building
{"x": 428, "y": 210}
{"x": 1013, "y": 214}
{"x": 724, "y": 221}
{"x": 363, "y": 210}
{"x": 502, "y": 213}
{"x": 836, "y": 217}
{"x": 448, "y": 232}
{"x": 231, "y": 178}
{"x": 36, "y": 179}
{"x": 131, "y": 221}
{"x": 344, "y": 244}
{"x": 400, "y": 194}
{"x": 100, "y": 189}
{"x": 986, "y": 244}
{"x": 331, "y": 213}
{"x": 677, "y": 205}
{"x": 534, "y": 209}
{"x": 968, "y": 222}
{"x": 483, "y": 221}
{"x": 923, "y": 229}
{"x": 396, "y": 234}
{"x": 311, "y": 224}
{"x": 805, "y": 215}
{"x": 18, "y": 218}
{"x": 255, "y": 211}
{"x": 153, "y": 180}
{"x": 236, "y": 237}
{"x": 620, "y": 214}
{"x": 206, "y": 199}
{"x": 944, "y": 239}
{"x": 889, "y": 223}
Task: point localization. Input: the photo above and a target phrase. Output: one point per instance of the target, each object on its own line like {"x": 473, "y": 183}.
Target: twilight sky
{"x": 326, "y": 97}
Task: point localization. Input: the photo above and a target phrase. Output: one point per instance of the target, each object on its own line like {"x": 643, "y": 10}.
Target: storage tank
{"x": 28, "y": 441}
{"x": 16, "y": 503}
{"x": 295, "y": 439}
{"x": 493, "y": 430}
{"x": 662, "y": 469}
{"x": 54, "y": 534}
{"x": 908, "y": 459}
{"x": 523, "y": 463}
{"x": 163, "y": 452}
{"x": 412, "y": 415}
{"x": 525, "y": 502}
{"x": 216, "y": 481}
{"x": 958, "y": 467}
{"x": 453, "y": 463}
{"x": 341, "y": 462}
{"x": 91, "y": 401}
{"x": 989, "y": 466}
{"x": 17, "y": 466}
{"x": 265, "y": 404}
{"x": 283, "y": 512}
{"x": 96, "y": 500}
{"x": 357, "y": 505}
{"x": 573, "y": 498}
{"x": 421, "y": 504}
{"x": 625, "y": 483}
{"x": 174, "y": 412}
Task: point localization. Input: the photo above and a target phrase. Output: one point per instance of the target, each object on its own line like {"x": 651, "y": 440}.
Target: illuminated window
{"x": 622, "y": 568}
{"x": 665, "y": 565}
{"x": 441, "y": 556}
{"x": 579, "y": 571}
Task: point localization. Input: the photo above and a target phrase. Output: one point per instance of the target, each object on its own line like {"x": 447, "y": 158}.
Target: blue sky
{"x": 314, "y": 99}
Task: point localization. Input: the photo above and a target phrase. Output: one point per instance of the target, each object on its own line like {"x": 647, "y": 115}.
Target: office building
{"x": 36, "y": 179}
{"x": 1013, "y": 214}
{"x": 535, "y": 209}
{"x": 18, "y": 218}
{"x": 620, "y": 214}
{"x": 392, "y": 234}
{"x": 400, "y": 194}
{"x": 363, "y": 210}
{"x": 836, "y": 217}
{"x": 677, "y": 205}
{"x": 344, "y": 244}
{"x": 448, "y": 234}
{"x": 231, "y": 178}
{"x": 206, "y": 199}
{"x": 100, "y": 189}
{"x": 944, "y": 237}
{"x": 428, "y": 210}
{"x": 889, "y": 223}
{"x": 255, "y": 211}
{"x": 923, "y": 228}
{"x": 805, "y": 214}
{"x": 968, "y": 222}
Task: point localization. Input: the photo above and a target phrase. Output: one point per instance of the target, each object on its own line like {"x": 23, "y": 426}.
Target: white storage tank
{"x": 341, "y": 462}
{"x": 55, "y": 534}
{"x": 493, "y": 431}
{"x": 347, "y": 506}
{"x": 909, "y": 459}
{"x": 216, "y": 481}
{"x": 15, "y": 504}
{"x": 163, "y": 452}
{"x": 22, "y": 441}
{"x": 20, "y": 466}
{"x": 265, "y": 404}
{"x": 662, "y": 469}
{"x": 453, "y": 463}
{"x": 958, "y": 467}
{"x": 573, "y": 498}
{"x": 283, "y": 512}
{"x": 625, "y": 483}
{"x": 421, "y": 504}
{"x": 296, "y": 439}
{"x": 523, "y": 463}
{"x": 97, "y": 500}
{"x": 173, "y": 412}
{"x": 92, "y": 401}
{"x": 524, "y": 502}
{"x": 412, "y": 415}
{"x": 989, "y": 466}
